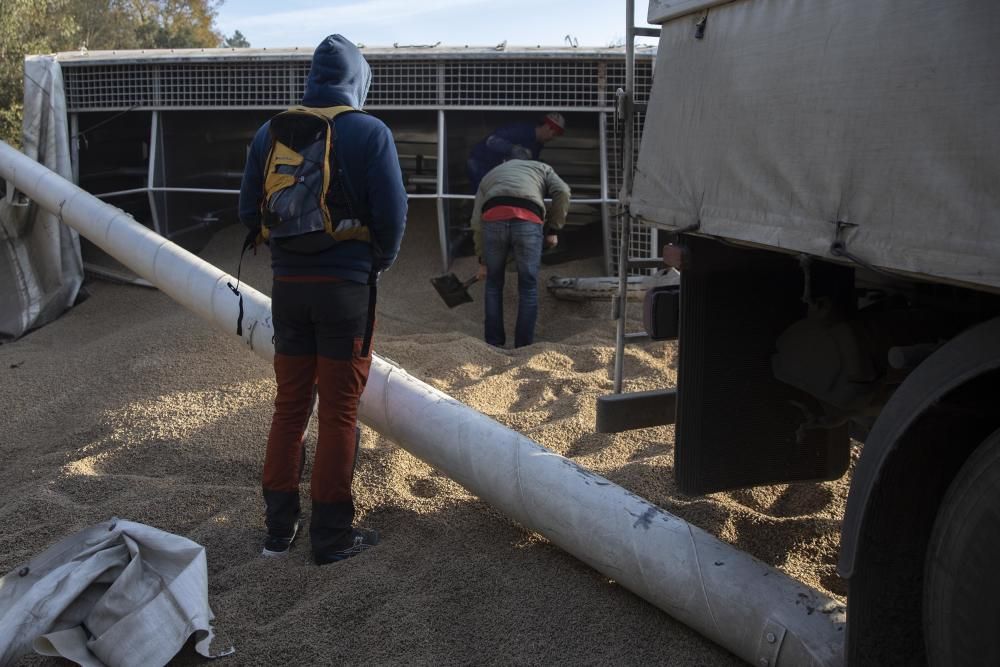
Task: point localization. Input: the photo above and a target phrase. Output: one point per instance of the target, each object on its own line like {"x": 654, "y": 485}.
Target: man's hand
{"x": 520, "y": 152}
{"x": 481, "y": 273}
{"x": 551, "y": 240}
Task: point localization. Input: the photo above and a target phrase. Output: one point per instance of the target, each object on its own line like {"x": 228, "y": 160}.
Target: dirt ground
{"x": 130, "y": 406}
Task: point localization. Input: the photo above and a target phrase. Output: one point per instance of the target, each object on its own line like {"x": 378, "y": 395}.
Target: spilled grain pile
{"x": 129, "y": 406}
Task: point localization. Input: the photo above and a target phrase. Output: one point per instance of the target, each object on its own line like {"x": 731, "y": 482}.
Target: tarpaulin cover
{"x": 40, "y": 266}
{"x": 775, "y": 119}
{"x": 118, "y": 593}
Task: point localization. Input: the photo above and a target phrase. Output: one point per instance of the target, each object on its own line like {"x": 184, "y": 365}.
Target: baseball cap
{"x": 555, "y": 121}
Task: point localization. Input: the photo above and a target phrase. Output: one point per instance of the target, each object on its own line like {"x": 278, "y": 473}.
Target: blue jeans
{"x": 524, "y": 239}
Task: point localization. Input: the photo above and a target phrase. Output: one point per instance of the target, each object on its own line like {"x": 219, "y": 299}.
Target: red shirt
{"x": 510, "y": 213}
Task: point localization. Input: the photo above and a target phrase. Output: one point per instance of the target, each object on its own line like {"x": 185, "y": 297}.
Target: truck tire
{"x": 961, "y": 602}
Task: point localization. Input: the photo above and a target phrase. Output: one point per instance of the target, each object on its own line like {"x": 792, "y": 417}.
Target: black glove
{"x": 251, "y": 242}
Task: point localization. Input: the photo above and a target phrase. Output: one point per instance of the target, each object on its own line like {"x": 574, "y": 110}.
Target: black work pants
{"x": 320, "y": 327}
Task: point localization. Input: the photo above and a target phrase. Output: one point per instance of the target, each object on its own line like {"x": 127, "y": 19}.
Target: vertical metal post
{"x": 441, "y": 163}
{"x": 625, "y": 238}
{"x": 74, "y": 146}
{"x": 154, "y": 140}
{"x": 602, "y": 130}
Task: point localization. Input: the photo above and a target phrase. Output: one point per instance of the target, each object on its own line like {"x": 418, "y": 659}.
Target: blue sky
{"x": 267, "y": 23}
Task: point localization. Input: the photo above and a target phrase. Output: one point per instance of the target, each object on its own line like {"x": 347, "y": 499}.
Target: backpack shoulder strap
{"x": 329, "y": 113}
{"x": 356, "y": 233}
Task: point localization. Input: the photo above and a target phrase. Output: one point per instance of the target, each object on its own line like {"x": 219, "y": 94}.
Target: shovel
{"x": 452, "y": 290}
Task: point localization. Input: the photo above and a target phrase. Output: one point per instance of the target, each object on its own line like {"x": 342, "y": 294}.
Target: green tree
{"x": 146, "y": 24}
{"x": 176, "y": 24}
{"x": 27, "y": 27}
{"x": 104, "y": 24}
{"x": 237, "y": 41}
{"x": 46, "y": 26}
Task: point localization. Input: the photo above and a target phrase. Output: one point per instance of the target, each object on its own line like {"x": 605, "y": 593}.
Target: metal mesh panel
{"x": 401, "y": 83}
{"x": 643, "y": 79}
{"x": 642, "y": 238}
{"x": 523, "y": 83}
{"x": 185, "y": 85}
{"x": 109, "y": 87}
{"x": 640, "y": 244}
{"x": 542, "y": 83}
{"x": 232, "y": 84}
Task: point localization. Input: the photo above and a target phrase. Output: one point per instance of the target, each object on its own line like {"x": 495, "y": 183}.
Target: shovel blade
{"x": 451, "y": 290}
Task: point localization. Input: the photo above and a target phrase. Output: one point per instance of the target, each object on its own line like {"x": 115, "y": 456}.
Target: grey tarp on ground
{"x": 118, "y": 593}
{"x": 40, "y": 266}
{"x": 790, "y": 115}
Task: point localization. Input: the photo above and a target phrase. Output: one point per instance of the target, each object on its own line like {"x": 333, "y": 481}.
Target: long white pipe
{"x": 755, "y": 611}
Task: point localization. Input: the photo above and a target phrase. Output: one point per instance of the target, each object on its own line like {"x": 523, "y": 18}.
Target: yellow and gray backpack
{"x": 306, "y": 206}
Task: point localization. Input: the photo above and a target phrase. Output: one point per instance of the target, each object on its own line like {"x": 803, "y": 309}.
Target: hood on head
{"x": 339, "y": 74}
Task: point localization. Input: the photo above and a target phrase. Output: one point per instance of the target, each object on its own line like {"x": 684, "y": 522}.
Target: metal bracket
{"x": 769, "y": 645}
{"x": 839, "y": 249}
{"x": 839, "y": 243}
{"x": 14, "y": 196}
{"x": 640, "y": 409}
{"x": 700, "y": 26}
{"x": 805, "y": 263}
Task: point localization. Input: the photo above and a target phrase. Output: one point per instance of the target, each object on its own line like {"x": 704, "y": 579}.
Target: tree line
{"x": 48, "y": 26}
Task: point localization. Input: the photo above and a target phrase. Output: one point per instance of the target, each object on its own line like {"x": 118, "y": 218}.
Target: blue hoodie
{"x": 339, "y": 75}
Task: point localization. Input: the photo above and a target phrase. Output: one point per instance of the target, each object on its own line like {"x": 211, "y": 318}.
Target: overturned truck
{"x": 827, "y": 175}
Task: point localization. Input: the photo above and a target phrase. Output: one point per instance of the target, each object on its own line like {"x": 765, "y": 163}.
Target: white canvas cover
{"x": 118, "y": 593}
{"x": 40, "y": 266}
{"x": 790, "y": 115}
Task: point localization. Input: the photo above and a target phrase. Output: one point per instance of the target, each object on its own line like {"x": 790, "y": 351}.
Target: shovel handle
{"x": 470, "y": 282}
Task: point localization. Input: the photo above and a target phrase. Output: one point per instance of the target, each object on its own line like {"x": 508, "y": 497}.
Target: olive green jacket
{"x": 526, "y": 179}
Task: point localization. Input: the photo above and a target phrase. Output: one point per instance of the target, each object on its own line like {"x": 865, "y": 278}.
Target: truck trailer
{"x": 826, "y": 178}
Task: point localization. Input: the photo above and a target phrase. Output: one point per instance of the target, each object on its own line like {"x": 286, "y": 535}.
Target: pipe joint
{"x": 769, "y": 646}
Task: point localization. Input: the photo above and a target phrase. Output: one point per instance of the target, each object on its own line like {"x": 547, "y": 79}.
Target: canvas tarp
{"x": 40, "y": 266}
{"x": 118, "y": 593}
{"x": 787, "y": 116}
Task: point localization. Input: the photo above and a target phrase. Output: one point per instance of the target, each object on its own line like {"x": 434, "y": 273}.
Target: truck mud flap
{"x": 738, "y": 426}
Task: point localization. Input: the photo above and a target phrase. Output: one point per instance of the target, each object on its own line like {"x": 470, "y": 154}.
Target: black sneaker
{"x": 362, "y": 539}
{"x": 278, "y": 544}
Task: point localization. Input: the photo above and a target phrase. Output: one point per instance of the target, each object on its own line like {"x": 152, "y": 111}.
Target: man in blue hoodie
{"x": 323, "y": 309}
{"x": 517, "y": 141}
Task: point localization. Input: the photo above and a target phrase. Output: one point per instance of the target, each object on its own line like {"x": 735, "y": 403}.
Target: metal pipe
{"x": 373, "y": 107}
{"x": 621, "y": 304}
{"x": 581, "y": 288}
{"x": 154, "y": 142}
{"x": 602, "y": 130}
{"x": 74, "y": 145}
{"x": 209, "y": 191}
{"x": 201, "y": 191}
{"x": 122, "y": 193}
{"x": 753, "y": 610}
{"x": 134, "y": 191}
{"x": 441, "y": 165}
